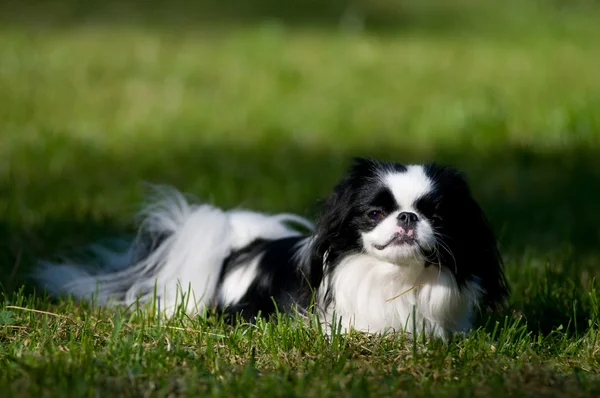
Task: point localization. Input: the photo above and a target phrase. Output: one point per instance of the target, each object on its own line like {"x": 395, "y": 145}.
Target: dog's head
{"x": 411, "y": 216}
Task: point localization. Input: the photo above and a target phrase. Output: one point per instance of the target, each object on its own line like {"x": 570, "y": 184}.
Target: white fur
{"x": 183, "y": 270}
{"x": 248, "y": 225}
{"x": 397, "y": 253}
{"x": 238, "y": 281}
{"x": 408, "y": 186}
{"x": 376, "y": 296}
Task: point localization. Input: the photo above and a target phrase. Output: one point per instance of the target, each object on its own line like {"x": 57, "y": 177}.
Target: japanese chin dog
{"x": 395, "y": 248}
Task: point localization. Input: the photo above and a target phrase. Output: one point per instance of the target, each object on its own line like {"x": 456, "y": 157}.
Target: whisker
{"x": 438, "y": 262}
{"x": 439, "y": 243}
{"x": 447, "y": 249}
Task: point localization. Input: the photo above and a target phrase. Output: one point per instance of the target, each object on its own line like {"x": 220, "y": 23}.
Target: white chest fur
{"x": 375, "y": 296}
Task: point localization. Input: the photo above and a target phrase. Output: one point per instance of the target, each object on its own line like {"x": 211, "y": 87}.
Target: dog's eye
{"x": 376, "y": 215}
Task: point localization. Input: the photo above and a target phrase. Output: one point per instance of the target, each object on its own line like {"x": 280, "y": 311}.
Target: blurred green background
{"x": 260, "y": 103}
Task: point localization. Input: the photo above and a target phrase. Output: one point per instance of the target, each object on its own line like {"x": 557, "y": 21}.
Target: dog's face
{"x": 395, "y": 215}
{"x": 417, "y": 215}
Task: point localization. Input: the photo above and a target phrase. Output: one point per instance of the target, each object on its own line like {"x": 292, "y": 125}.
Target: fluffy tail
{"x": 176, "y": 258}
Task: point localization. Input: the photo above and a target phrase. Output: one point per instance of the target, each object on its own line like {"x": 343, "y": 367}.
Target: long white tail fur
{"x": 182, "y": 271}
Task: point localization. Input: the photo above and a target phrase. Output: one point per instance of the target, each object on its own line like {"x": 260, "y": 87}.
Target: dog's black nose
{"x": 407, "y": 218}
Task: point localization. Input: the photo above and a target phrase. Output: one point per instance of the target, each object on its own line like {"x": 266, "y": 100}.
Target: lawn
{"x": 260, "y": 105}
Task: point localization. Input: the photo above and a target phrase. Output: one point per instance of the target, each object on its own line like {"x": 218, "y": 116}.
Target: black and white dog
{"x": 395, "y": 246}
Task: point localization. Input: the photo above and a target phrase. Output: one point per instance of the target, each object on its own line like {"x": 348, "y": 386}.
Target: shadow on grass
{"x": 542, "y": 204}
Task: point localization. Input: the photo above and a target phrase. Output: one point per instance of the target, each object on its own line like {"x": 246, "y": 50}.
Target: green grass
{"x": 257, "y": 104}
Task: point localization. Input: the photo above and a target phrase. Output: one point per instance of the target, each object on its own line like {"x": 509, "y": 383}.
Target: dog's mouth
{"x": 397, "y": 240}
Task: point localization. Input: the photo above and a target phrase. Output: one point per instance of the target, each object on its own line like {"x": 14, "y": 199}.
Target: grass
{"x": 261, "y": 105}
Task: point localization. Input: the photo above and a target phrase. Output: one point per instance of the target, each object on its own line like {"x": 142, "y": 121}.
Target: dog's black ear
{"x": 486, "y": 260}
{"x": 468, "y": 236}
{"x": 333, "y": 217}
{"x": 332, "y": 234}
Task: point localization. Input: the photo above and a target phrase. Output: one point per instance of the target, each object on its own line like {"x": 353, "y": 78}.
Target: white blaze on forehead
{"x": 408, "y": 186}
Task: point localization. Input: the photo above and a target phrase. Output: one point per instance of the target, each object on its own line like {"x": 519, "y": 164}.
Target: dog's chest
{"x": 378, "y": 297}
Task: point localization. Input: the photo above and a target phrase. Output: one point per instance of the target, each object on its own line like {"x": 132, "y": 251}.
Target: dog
{"x": 395, "y": 248}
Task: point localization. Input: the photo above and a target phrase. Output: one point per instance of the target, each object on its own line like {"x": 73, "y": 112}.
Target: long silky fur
{"x": 176, "y": 241}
